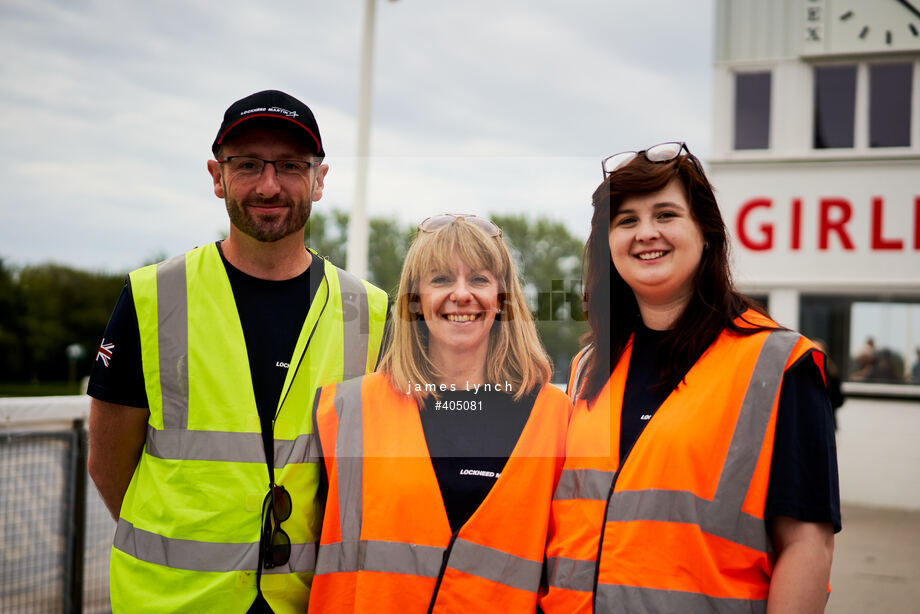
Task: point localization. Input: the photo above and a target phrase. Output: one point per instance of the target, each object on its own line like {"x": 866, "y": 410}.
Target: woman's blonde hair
{"x": 515, "y": 354}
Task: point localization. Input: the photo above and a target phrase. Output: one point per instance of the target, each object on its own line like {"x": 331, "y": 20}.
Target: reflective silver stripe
{"x": 228, "y": 447}
{"x": 303, "y": 559}
{"x": 355, "y": 324}
{"x": 203, "y": 556}
{"x": 371, "y": 555}
{"x": 304, "y": 449}
{"x": 495, "y": 565}
{"x": 570, "y": 574}
{"x": 685, "y": 507}
{"x": 172, "y": 323}
{"x": 579, "y": 373}
{"x": 591, "y": 484}
{"x": 425, "y": 561}
{"x": 630, "y": 599}
{"x": 751, "y": 428}
{"x": 349, "y": 457}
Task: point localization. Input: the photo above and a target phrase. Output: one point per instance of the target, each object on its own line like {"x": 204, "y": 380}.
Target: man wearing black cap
{"x": 201, "y": 440}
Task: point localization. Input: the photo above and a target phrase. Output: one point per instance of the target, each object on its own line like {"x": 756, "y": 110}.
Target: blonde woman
{"x": 441, "y": 466}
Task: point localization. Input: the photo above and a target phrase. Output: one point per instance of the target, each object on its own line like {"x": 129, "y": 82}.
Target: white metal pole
{"x": 356, "y": 253}
{"x": 908, "y": 342}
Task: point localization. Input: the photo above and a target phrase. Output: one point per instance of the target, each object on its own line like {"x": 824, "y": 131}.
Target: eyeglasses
{"x": 275, "y": 543}
{"x": 437, "y": 222}
{"x": 250, "y": 166}
{"x": 662, "y": 152}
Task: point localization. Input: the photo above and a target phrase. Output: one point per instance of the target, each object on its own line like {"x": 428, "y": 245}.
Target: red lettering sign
{"x": 917, "y": 222}
{"x": 826, "y": 223}
{"x": 878, "y": 241}
{"x": 795, "y": 238}
{"x": 765, "y": 241}
{"x": 834, "y": 223}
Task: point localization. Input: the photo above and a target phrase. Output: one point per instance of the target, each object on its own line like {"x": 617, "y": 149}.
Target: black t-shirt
{"x": 272, "y": 314}
{"x": 470, "y": 437}
{"x": 803, "y": 473}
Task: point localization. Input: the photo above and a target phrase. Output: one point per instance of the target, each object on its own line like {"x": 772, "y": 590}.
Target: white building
{"x": 816, "y": 163}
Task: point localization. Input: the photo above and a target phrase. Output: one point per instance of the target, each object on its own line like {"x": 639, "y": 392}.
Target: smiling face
{"x": 270, "y": 206}
{"x": 656, "y": 246}
{"x": 459, "y": 307}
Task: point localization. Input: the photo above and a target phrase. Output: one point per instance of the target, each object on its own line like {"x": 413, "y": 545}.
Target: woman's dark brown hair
{"x": 610, "y": 303}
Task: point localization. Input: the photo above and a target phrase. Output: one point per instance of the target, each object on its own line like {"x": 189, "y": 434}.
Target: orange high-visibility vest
{"x": 386, "y": 543}
{"x": 679, "y": 527}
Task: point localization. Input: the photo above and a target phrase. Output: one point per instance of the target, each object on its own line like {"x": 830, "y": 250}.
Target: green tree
{"x": 11, "y": 334}
{"x": 387, "y": 245}
{"x": 45, "y": 308}
{"x": 61, "y": 306}
{"x": 549, "y": 259}
{"x": 390, "y": 243}
{"x": 327, "y": 235}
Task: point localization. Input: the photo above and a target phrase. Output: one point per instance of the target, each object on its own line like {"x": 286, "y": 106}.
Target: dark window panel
{"x": 827, "y": 319}
{"x": 762, "y": 300}
{"x": 889, "y": 104}
{"x": 870, "y": 339}
{"x": 835, "y": 106}
{"x": 752, "y": 110}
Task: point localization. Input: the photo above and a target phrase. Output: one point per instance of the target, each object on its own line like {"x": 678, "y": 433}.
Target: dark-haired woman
{"x": 701, "y": 472}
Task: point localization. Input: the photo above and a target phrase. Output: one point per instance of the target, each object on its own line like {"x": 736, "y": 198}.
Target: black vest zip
{"x": 437, "y": 585}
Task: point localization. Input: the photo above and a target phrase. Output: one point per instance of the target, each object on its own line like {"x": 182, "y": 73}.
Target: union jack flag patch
{"x": 105, "y": 352}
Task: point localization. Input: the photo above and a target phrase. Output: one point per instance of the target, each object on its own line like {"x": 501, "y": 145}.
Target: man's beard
{"x": 268, "y": 227}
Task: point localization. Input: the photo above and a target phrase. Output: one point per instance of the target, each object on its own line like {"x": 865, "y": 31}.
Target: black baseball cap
{"x": 271, "y": 104}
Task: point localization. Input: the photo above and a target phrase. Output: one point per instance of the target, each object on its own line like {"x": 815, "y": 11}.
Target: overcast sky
{"x": 108, "y": 108}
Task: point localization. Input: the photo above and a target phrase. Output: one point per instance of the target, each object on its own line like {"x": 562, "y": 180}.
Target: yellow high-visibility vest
{"x": 188, "y": 536}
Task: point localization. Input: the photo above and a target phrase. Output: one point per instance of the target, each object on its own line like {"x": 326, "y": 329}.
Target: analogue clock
{"x": 860, "y": 26}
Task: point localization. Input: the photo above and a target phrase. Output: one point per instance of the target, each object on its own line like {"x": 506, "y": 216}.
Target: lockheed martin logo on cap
{"x": 271, "y": 104}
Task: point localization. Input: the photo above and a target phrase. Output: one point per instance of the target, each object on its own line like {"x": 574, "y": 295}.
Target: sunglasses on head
{"x": 662, "y": 152}
{"x": 275, "y": 543}
{"x": 437, "y": 222}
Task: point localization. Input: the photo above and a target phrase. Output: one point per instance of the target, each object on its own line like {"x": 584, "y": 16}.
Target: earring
{"x": 415, "y": 310}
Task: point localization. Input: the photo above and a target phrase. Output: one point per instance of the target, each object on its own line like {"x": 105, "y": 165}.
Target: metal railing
{"x": 55, "y": 532}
